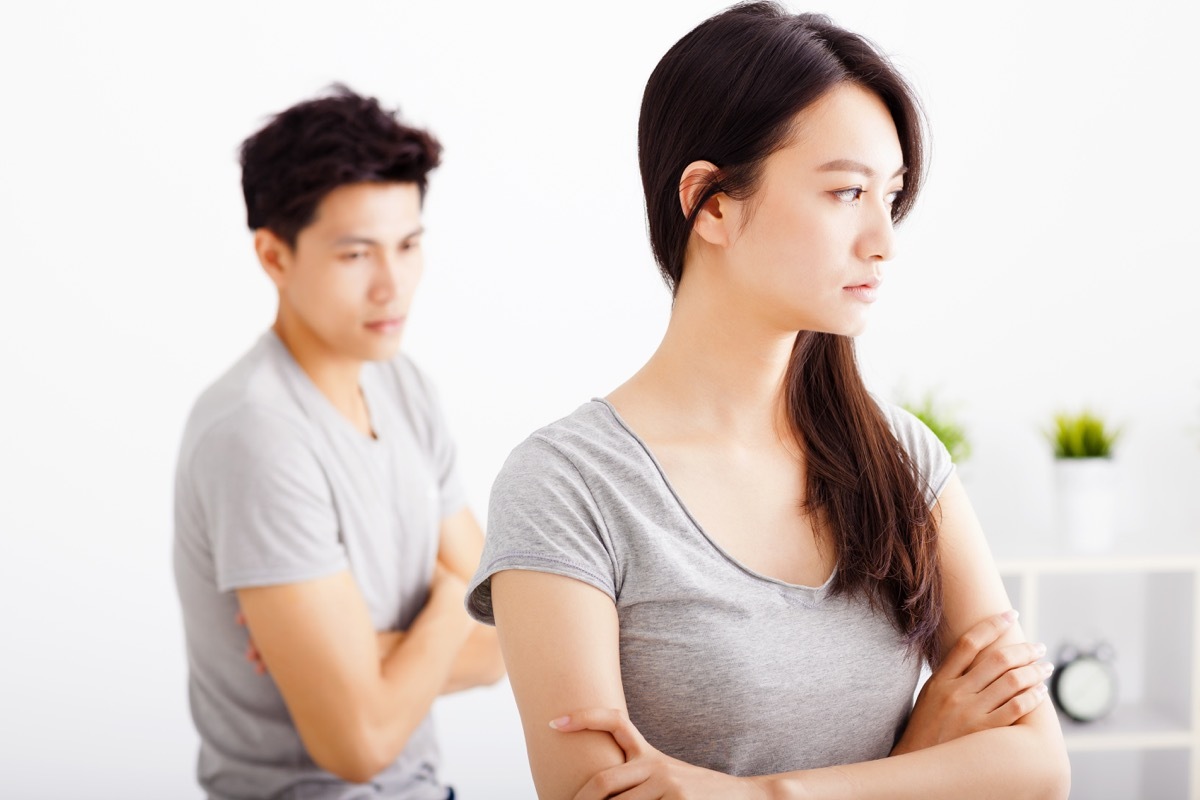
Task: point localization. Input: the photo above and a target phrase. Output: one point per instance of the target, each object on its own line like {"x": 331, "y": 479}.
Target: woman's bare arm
{"x": 560, "y": 643}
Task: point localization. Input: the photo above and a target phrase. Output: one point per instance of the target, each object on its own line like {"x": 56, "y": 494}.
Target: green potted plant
{"x": 1085, "y": 479}
{"x": 943, "y": 423}
{"x": 1082, "y": 435}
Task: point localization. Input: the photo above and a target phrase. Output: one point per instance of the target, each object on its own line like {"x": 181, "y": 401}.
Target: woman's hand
{"x": 648, "y": 774}
{"x": 981, "y": 684}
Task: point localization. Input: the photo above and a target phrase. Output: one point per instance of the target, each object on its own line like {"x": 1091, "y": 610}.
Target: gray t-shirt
{"x": 274, "y": 486}
{"x": 722, "y": 667}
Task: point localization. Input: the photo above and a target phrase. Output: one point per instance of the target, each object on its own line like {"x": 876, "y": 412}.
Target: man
{"x": 317, "y": 498}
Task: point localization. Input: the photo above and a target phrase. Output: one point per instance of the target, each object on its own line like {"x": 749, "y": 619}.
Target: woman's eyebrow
{"x": 850, "y": 165}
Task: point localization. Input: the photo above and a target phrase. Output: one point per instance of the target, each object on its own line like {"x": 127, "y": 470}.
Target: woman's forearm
{"x": 1024, "y": 761}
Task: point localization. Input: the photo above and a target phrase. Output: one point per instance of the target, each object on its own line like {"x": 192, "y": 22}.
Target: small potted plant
{"x": 1085, "y": 478}
{"x": 945, "y": 426}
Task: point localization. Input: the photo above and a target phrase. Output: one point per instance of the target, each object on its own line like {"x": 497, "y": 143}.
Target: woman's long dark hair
{"x": 728, "y": 92}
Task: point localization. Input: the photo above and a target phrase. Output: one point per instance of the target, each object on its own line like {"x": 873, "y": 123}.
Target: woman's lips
{"x": 865, "y": 292}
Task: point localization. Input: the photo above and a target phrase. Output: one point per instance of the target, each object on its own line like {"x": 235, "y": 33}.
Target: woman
{"x": 740, "y": 547}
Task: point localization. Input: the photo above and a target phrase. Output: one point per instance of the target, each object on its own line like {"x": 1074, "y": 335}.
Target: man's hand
{"x": 252, "y": 654}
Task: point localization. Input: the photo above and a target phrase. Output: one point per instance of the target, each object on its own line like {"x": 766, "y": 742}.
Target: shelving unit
{"x": 1148, "y": 609}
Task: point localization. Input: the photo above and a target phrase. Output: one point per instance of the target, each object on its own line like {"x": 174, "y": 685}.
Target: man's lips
{"x": 386, "y": 325}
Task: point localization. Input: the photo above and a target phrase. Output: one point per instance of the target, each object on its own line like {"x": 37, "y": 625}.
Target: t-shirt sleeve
{"x": 542, "y": 517}
{"x": 267, "y": 505}
{"x": 926, "y": 450}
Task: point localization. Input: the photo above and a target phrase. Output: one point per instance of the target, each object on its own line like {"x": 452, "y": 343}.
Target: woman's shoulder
{"x": 928, "y": 454}
{"x": 587, "y": 461}
{"x": 590, "y": 438}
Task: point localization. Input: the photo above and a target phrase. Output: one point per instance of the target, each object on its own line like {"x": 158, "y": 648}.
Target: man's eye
{"x": 851, "y": 195}
{"x": 353, "y": 255}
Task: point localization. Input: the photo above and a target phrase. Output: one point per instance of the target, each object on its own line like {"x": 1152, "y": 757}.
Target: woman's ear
{"x": 274, "y": 255}
{"x": 712, "y": 222}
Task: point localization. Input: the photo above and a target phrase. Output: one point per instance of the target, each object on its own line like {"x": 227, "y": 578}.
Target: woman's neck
{"x": 718, "y": 369}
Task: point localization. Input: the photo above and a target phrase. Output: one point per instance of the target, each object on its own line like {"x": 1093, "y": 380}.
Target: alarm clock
{"x": 1084, "y": 684}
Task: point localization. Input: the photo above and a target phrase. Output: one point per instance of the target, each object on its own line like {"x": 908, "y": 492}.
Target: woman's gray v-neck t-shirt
{"x": 722, "y": 667}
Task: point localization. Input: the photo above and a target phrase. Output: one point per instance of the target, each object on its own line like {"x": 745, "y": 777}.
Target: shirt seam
{"x": 253, "y": 578}
{"x": 526, "y": 554}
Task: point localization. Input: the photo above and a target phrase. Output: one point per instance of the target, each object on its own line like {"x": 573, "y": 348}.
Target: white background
{"x": 1052, "y": 263}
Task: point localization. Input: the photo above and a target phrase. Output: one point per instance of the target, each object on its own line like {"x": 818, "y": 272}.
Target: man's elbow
{"x": 354, "y": 765}
{"x": 355, "y": 755}
{"x": 356, "y": 769}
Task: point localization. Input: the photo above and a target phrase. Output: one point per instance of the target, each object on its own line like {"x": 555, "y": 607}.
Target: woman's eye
{"x": 851, "y": 195}
{"x": 892, "y": 197}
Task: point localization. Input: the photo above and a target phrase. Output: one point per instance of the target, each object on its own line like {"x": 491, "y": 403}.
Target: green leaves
{"x": 1082, "y": 435}
{"x": 944, "y": 426}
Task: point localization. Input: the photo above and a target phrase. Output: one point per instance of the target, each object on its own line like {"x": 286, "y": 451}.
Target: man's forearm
{"x": 354, "y": 712}
{"x": 478, "y": 663}
{"x": 409, "y": 679}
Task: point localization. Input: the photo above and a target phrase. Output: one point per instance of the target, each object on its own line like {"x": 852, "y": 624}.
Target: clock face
{"x": 1085, "y": 689}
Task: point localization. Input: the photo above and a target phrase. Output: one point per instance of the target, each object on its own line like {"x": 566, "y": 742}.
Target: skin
{"x": 356, "y": 695}
{"x": 709, "y": 405}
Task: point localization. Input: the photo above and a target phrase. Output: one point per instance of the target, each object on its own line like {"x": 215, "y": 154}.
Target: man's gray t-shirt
{"x": 722, "y": 667}
{"x": 274, "y": 486}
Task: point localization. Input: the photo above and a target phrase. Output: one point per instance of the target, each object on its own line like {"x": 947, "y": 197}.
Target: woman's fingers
{"x": 612, "y": 720}
{"x": 974, "y": 641}
{"x": 1013, "y": 683}
{"x": 998, "y": 661}
{"x": 1019, "y": 706}
{"x": 615, "y": 781}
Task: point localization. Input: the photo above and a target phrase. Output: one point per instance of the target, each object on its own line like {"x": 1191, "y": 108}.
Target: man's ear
{"x": 274, "y": 255}
{"x": 713, "y": 222}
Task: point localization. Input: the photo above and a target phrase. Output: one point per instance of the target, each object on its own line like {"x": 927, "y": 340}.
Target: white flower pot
{"x": 1087, "y": 504}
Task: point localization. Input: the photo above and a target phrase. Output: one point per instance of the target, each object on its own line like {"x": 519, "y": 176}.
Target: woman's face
{"x": 812, "y": 241}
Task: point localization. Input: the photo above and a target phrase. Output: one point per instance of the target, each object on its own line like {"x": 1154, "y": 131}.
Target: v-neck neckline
{"x": 319, "y": 403}
{"x": 817, "y": 591}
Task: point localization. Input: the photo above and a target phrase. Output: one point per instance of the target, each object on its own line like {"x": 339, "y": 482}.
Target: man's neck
{"x": 334, "y": 375}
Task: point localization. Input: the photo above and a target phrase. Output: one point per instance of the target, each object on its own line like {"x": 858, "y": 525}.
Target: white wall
{"x": 1053, "y": 261}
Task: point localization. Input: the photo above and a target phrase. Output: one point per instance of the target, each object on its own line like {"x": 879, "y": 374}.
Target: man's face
{"x": 348, "y": 282}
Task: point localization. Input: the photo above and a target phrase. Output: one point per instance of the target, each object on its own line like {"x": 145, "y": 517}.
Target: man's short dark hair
{"x": 316, "y": 146}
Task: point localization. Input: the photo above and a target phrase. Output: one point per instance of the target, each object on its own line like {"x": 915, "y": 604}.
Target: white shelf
{"x": 1144, "y": 600}
{"x": 1074, "y": 565}
{"x": 1129, "y": 727}
{"x": 1157, "y": 547}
